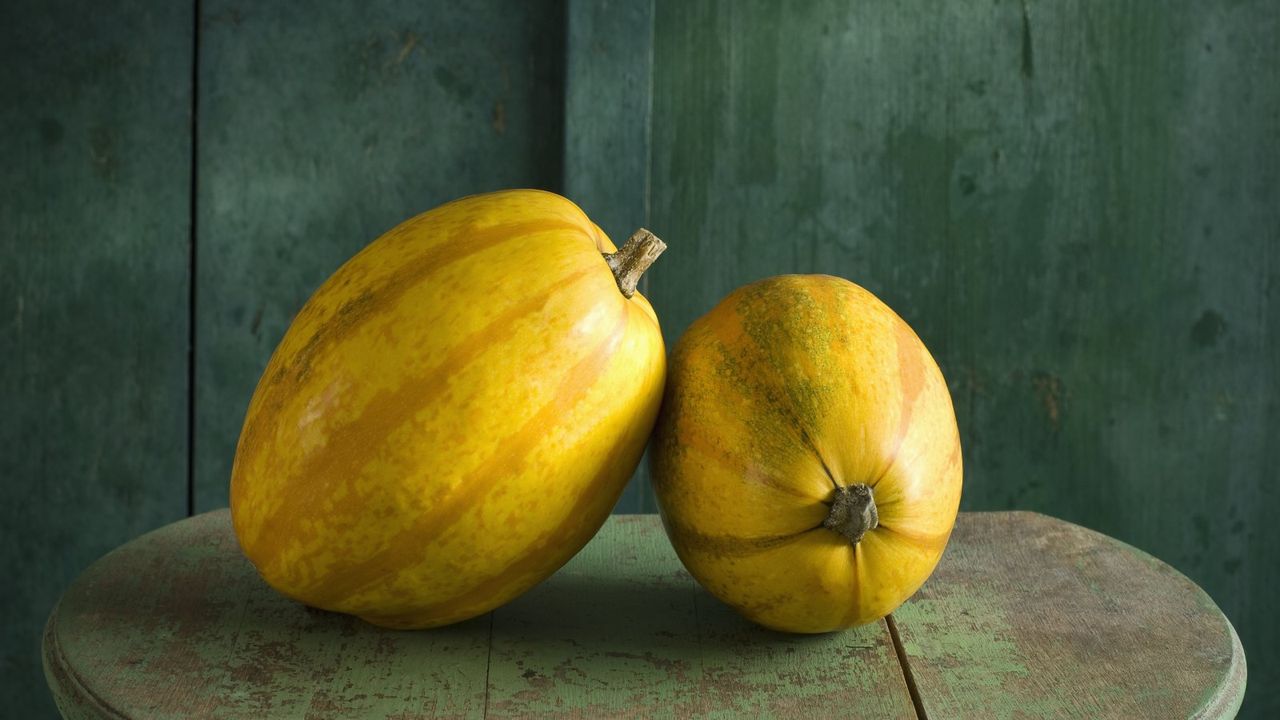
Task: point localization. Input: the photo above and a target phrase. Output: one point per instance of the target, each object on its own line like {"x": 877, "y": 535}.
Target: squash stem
{"x": 853, "y": 512}
{"x": 633, "y": 258}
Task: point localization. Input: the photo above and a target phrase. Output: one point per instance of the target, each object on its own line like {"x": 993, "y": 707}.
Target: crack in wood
{"x": 903, "y": 663}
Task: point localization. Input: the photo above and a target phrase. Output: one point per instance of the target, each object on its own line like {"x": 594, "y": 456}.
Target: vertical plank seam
{"x": 697, "y": 634}
{"x": 648, "y": 502}
{"x": 191, "y": 260}
{"x": 948, "y": 160}
{"x": 647, "y": 132}
{"x": 488, "y": 664}
{"x": 561, "y": 173}
{"x": 907, "y": 675}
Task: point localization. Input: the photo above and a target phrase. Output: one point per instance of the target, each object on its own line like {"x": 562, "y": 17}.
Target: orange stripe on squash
{"x": 364, "y": 300}
{"x": 463, "y": 401}
{"x": 817, "y": 380}
{"x": 545, "y": 555}
{"x": 509, "y": 454}
{"x": 346, "y": 455}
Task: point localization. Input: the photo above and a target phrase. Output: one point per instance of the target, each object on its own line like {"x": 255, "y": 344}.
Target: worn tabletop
{"x": 1026, "y": 616}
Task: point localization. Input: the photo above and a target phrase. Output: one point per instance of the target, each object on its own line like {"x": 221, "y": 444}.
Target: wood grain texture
{"x": 1112, "y": 337}
{"x": 323, "y": 126}
{"x": 1028, "y": 616}
{"x": 93, "y": 300}
{"x": 608, "y": 91}
{"x": 178, "y": 624}
{"x": 1077, "y": 207}
{"x": 623, "y": 631}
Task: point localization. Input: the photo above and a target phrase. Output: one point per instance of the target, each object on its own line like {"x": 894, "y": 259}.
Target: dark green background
{"x": 1076, "y": 205}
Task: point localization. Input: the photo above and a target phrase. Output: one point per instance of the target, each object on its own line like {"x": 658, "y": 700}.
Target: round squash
{"x": 807, "y": 462}
{"x": 453, "y": 414}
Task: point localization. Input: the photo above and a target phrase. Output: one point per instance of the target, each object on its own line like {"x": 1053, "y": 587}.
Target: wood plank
{"x": 322, "y": 126}
{"x": 779, "y": 156}
{"x": 178, "y": 624}
{"x": 94, "y": 111}
{"x": 611, "y": 633}
{"x": 1028, "y": 616}
{"x": 623, "y": 631}
{"x": 1076, "y": 207}
{"x": 608, "y": 90}
{"x": 607, "y": 108}
{"x": 749, "y": 671}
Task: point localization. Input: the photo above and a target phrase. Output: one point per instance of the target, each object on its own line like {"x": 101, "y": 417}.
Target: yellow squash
{"x": 453, "y": 414}
{"x": 807, "y": 462}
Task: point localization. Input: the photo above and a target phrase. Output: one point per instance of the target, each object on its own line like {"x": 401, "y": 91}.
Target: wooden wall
{"x": 318, "y": 131}
{"x": 1077, "y": 206}
{"x": 95, "y": 146}
{"x": 131, "y": 345}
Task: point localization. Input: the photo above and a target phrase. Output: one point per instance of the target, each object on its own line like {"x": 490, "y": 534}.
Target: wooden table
{"x": 1026, "y": 616}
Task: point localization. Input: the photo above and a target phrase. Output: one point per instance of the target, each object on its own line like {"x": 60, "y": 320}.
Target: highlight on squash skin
{"x": 783, "y": 402}
{"x": 451, "y": 416}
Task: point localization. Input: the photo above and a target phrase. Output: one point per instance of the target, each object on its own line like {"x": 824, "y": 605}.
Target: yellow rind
{"x": 789, "y": 387}
{"x": 450, "y": 417}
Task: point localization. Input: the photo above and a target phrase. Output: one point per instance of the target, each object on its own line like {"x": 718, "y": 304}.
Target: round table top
{"x": 1026, "y": 616}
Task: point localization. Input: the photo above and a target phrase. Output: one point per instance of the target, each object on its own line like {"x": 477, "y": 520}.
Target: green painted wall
{"x": 319, "y": 131}
{"x": 1076, "y": 205}
{"x": 318, "y": 128}
{"x": 95, "y": 146}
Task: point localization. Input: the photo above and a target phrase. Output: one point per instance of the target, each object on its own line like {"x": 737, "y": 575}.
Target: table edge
{"x": 1226, "y": 701}
{"x": 1227, "y": 697}
{"x": 75, "y": 700}
{"x": 72, "y": 697}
